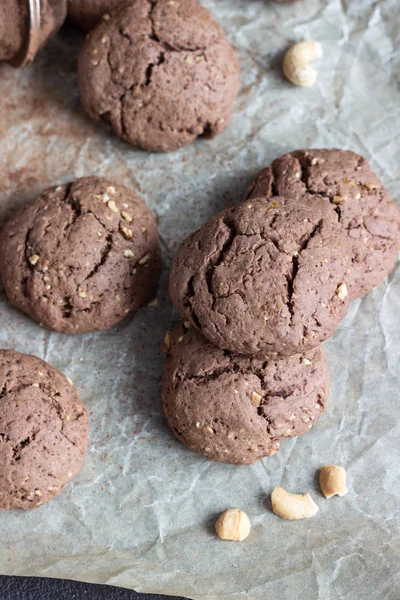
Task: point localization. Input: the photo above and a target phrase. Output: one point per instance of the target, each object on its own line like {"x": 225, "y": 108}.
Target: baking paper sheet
{"x": 141, "y": 512}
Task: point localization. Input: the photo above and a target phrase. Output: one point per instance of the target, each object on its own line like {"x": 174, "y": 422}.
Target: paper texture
{"x": 141, "y": 513}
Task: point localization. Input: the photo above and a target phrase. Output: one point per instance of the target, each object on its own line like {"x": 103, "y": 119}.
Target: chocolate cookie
{"x": 237, "y": 409}
{"x": 161, "y": 73}
{"x": 369, "y": 216}
{"x": 81, "y": 257}
{"x": 87, "y": 13}
{"x": 43, "y": 431}
{"x": 265, "y": 278}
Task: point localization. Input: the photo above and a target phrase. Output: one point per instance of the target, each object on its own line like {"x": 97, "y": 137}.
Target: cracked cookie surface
{"x": 237, "y": 409}
{"x": 369, "y": 216}
{"x": 87, "y": 13}
{"x": 161, "y": 73}
{"x": 264, "y": 278}
{"x": 43, "y": 431}
{"x": 81, "y": 256}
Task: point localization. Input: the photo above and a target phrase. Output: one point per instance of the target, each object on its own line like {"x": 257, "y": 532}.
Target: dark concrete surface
{"x": 32, "y": 588}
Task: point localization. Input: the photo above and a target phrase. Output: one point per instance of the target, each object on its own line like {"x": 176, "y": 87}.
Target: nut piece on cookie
{"x": 370, "y": 218}
{"x": 261, "y": 278}
{"x": 233, "y": 524}
{"x": 332, "y": 481}
{"x": 69, "y": 261}
{"x": 43, "y": 431}
{"x": 292, "y": 506}
{"x": 160, "y": 73}
{"x": 235, "y": 409}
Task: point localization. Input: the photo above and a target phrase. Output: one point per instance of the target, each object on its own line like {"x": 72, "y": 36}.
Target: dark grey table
{"x": 32, "y": 588}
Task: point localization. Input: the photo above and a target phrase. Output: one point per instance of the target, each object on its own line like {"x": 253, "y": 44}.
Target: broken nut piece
{"x": 332, "y": 481}
{"x": 292, "y": 506}
{"x": 233, "y": 524}
{"x": 342, "y": 291}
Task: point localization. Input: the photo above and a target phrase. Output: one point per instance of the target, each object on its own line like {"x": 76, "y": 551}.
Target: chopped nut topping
{"x": 112, "y": 206}
{"x": 34, "y": 259}
{"x": 357, "y": 196}
{"x": 180, "y": 338}
{"x": 256, "y": 398}
{"x": 95, "y": 63}
{"x": 35, "y": 385}
{"x": 82, "y": 294}
{"x": 167, "y": 340}
{"x": 104, "y": 39}
{"x": 106, "y": 197}
{"x": 126, "y": 232}
{"x": 306, "y": 361}
{"x": 297, "y": 175}
{"x": 314, "y": 161}
{"x": 106, "y": 17}
{"x": 198, "y": 424}
{"x": 338, "y": 199}
{"x": 70, "y": 381}
{"x": 69, "y": 474}
{"x": 186, "y": 324}
{"x": 40, "y": 373}
{"x": 38, "y": 493}
{"x": 111, "y": 189}
{"x": 209, "y": 429}
{"x": 126, "y": 216}
{"x": 99, "y": 234}
{"x": 94, "y": 51}
{"x": 144, "y": 259}
{"x": 342, "y": 291}
{"x": 128, "y": 253}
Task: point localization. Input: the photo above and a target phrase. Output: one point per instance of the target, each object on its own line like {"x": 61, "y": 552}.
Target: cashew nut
{"x": 296, "y": 63}
{"x": 332, "y": 481}
{"x": 233, "y": 524}
{"x": 292, "y": 506}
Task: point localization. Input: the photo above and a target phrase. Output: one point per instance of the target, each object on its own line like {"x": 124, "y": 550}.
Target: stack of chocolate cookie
{"x": 260, "y": 286}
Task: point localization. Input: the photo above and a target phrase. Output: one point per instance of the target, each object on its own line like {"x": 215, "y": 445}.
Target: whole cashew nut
{"x": 292, "y": 506}
{"x": 332, "y": 481}
{"x": 296, "y": 63}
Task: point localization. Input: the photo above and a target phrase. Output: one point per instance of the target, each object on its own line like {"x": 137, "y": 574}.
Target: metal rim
{"x": 33, "y": 37}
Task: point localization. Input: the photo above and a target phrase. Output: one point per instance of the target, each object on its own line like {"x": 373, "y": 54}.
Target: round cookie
{"x": 87, "y": 13}
{"x": 369, "y": 216}
{"x": 43, "y": 431}
{"x": 81, "y": 256}
{"x": 161, "y": 73}
{"x": 237, "y": 409}
{"x": 264, "y": 278}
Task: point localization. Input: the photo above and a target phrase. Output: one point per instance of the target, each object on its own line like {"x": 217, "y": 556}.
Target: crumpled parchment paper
{"x": 141, "y": 513}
